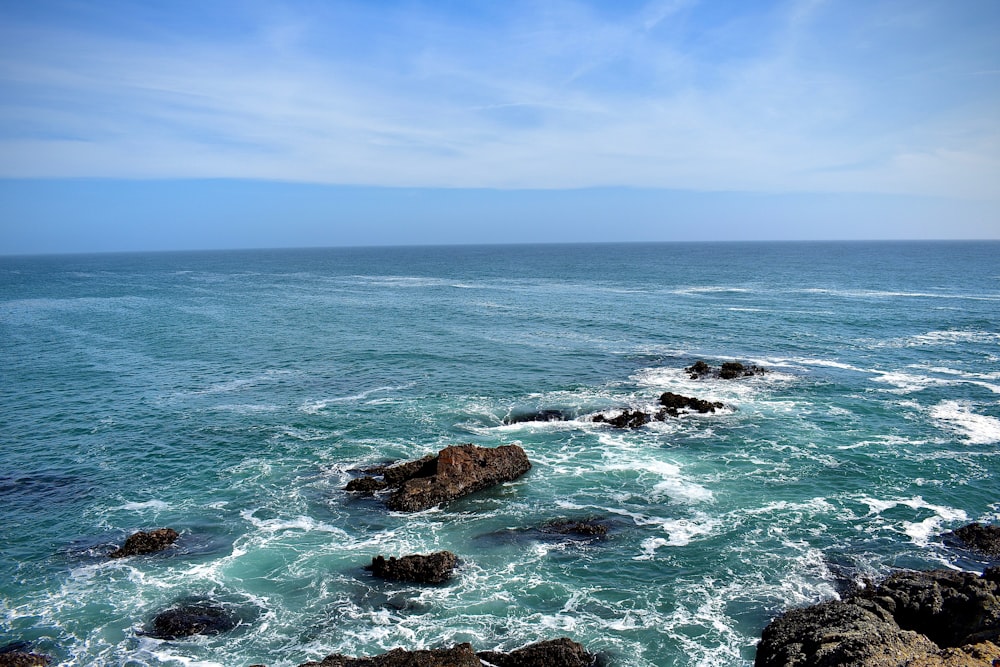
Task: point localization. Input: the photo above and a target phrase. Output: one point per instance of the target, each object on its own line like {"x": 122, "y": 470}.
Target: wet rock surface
{"x": 673, "y": 405}
{"x": 729, "y": 370}
{"x": 435, "y": 568}
{"x": 20, "y": 654}
{"x": 979, "y": 537}
{"x": 199, "y": 617}
{"x": 926, "y": 618}
{"x": 146, "y": 543}
{"x": 454, "y": 472}
{"x": 560, "y": 652}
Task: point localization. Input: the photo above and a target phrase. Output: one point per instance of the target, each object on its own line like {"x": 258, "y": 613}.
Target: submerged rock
{"x": 673, "y": 405}
{"x": 146, "y": 543}
{"x": 456, "y": 471}
{"x": 551, "y": 415}
{"x": 201, "y": 617}
{"x": 979, "y": 537}
{"x": 911, "y": 618}
{"x": 555, "y": 653}
{"x": 585, "y": 529}
{"x": 435, "y": 568}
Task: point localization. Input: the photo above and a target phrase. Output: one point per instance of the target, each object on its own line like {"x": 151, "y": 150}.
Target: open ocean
{"x": 229, "y": 395}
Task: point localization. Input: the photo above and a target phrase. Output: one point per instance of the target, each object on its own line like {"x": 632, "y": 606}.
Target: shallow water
{"x": 230, "y": 395}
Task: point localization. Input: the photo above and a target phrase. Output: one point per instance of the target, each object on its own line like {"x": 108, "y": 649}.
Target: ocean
{"x": 231, "y": 395}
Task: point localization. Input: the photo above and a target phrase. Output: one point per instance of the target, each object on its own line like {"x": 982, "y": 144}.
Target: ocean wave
{"x": 958, "y": 417}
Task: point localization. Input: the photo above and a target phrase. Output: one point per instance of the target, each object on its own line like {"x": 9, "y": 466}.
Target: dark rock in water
{"x": 912, "y": 618}
{"x": 978, "y": 537}
{"x": 538, "y": 416}
{"x": 366, "y": 486}
{"x": 699, "y": 369}
{"x": 673, "y": 403}
{"x": 192, "y": 618}
{"x": 456, "y": 471}
{"x": 19, "y": 654}
{"x": 461, "y": 655}
{"x": 561, "y": 652}
{"x": 433, "y": 568}
{"x": 627, "y": 419}
{"x": 555, "y": 653}
{"x": 146, "y": 543}
{"x": 729, "y": 370}
{"x": 586, "y": 528}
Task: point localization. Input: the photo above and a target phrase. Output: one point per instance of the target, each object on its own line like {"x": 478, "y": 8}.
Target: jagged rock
{"x": 554, "y": 653}
{"x": 673, "y": 403}
{"x": 586, "y": 528}
{"x": 911, "y": 616}
{"x": 626, "y": 419}
{"x": 979, "y": 537}
{"x": 538, "y": 416}
{"x": 456, "y": 471}
{"x": 191, "y": 618}
{"x": 146, "y": 543}
{"x": 561, "y": 652}
{"x": 729, "y": 370}
{"x": 976, "y": 655}
{"x": 19, "y": 654}
{"x": 460, "y": 655}
{"x": 433, "y": 568}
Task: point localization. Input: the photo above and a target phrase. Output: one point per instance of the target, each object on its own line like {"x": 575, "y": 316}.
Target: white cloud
{"x": 553, "y": 99}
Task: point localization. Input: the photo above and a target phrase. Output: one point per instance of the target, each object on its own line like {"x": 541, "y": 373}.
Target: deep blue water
{"x": 229, "y": 395}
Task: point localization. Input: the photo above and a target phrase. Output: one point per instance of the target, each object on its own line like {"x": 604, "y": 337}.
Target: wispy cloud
{"x": 778, "y": 97}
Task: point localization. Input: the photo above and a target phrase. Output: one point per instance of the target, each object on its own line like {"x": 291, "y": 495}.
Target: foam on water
{"x": 957, "y": 416}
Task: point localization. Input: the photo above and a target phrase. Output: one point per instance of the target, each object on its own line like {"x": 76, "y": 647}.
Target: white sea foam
{"x": 157, "y": 505}
{"x": 958, "y": 416}
{"x": 316, "y": 406}
{"x": 919, "y": 531}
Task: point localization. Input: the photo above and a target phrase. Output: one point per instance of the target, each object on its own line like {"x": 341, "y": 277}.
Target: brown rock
{"x": 433, "y": 568}
{"x": 561, "y": 652}
{"x": 146, "y": 543}
{"x": 460, "y": 655}
{"x": 978, "y": 537}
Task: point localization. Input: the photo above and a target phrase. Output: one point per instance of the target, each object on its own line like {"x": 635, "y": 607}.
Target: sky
{"x": 133, "y": 125}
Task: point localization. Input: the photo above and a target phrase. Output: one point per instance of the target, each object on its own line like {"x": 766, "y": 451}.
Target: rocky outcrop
{"x": 554, "y": 653}
{"x": 561, "y": 652}
{"x": 625, "y": 419}
{"x": 146, "y": 543}
{"x": 460, "y": 655}
{"x": 673, "y": 405}
{"x": 579, "y": 529}
{"x": 925, "y": 618}
{"x": 978, "y": 537}
{"x": 729, "y": 370}
{"x": 435, "y": 568}
{"x": 19, "y": 654}
{"x": 191, "y": 618}
{"x": 456, "y": 471}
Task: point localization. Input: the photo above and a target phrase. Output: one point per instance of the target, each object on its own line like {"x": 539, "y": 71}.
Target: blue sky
{"x": 130, "y": 125}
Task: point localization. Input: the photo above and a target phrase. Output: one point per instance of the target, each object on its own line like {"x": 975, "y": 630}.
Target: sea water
{"x": 232, "y": 395}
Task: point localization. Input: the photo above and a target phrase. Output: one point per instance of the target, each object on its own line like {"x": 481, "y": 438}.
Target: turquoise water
{"x": 229, "y": 395}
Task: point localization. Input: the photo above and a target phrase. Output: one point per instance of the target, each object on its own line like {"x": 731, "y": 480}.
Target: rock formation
{"x": 979, "y": 537}
{"x": 554, "y": 653}
{"x": 146, "y": 543}
{"x": 200, "y": 617}
{"x": 932, "y": 618}
{"x": 729, "y": 370}
{"x": 433, "y": 568}
{"x": 456, "y": 471}
{"x": 19, "y": 654}
{"x": 673, "y": 405}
